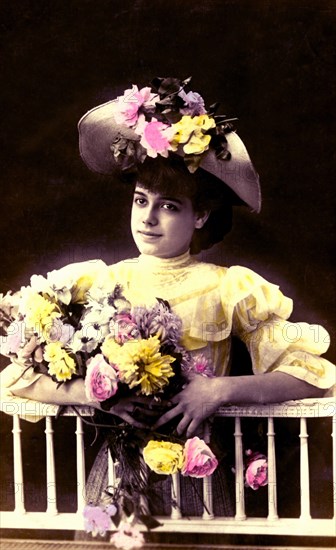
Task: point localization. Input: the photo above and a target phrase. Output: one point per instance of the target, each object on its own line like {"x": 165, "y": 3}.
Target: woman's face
{"x": 163, "y": 226}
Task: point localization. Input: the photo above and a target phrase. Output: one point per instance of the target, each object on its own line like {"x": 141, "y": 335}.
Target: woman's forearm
{"x": 46, "y": 391}
{"x": 272, "y": 387}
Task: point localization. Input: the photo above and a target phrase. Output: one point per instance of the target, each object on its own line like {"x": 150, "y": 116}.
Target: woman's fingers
{"x": 166, "y": 417}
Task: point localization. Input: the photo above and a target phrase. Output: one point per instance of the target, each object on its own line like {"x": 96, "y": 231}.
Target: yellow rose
{"x": 110, "y": 349}
{"x": 163, "y": 457}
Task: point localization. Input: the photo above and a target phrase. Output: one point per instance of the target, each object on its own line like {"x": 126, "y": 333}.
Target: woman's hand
{"x": 196, "y": 402}
{"x": 136, "y": 410}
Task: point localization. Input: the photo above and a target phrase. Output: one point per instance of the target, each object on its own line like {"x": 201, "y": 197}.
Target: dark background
{"x": 269, "y": 62}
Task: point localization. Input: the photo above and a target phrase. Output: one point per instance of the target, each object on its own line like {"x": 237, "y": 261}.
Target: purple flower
{"x": 194, "y": 103}
{"x": 96, "y": 520}
{"x": 15, "y": 337}
{"x": 159, "y": 321}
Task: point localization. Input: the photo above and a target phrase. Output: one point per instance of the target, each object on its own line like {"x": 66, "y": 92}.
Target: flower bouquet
{"x": 66, "y": 328}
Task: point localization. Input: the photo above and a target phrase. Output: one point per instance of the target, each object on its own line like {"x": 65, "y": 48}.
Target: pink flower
{"x": 155, "y": 136}
{"x": 96, "y": 520}
{"x": 127, "y": 537}
{"x": 124, "y": 328}
{"x": 198, "y": 459}
{"x": 101, "y": 381}
{"x": 129, "y": 104}
{"x": 201, "y": 365}
{"x": 256, "y": 471}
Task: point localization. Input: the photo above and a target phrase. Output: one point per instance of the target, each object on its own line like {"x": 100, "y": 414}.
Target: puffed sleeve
{"x": 19, "y": 374}
{"x": 260, "y": 314}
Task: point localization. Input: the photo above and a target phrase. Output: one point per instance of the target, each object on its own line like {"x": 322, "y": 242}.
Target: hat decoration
{"x": 165, "y": 118}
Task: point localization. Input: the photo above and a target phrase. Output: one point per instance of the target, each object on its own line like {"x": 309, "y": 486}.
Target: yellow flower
{"x": 39, "y": 312}
{"x": 163, "y": 457}
{"x": 53, "y": 351}
{"x": 140, "y": 363}
{"x": 81, "y": 288}
{"x": 191, "y": 131}
{"x": 61, "y": 365}
{"x": 110, "y": 349}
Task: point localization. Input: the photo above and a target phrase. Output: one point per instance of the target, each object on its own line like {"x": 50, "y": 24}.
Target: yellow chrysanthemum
{"x": 61, "y": 365}
{"x": 141, "y": 364}
{"x": 39, "y": 312}
{"x": 191, "y": 131}
{"x": 163, "y": 457}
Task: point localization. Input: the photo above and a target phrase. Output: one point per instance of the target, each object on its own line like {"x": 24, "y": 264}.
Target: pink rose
{"x": 127, "y": 108}
{"x": 256, "y": 471}
{"x": 101, "y": 381}
{"x": 198, "y": 459}
{"x": 155, "y": 136}
{"x": 124, "y": 328}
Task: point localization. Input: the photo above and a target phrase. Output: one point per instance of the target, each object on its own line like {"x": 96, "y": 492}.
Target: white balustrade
{"x": 208, "y": 523}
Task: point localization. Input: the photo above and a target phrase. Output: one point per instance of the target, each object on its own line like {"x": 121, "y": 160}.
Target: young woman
{"x": 188, "y": 169}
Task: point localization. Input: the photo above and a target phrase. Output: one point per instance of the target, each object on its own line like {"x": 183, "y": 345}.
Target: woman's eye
{"x": 140, "y": 201}
{"x": 169, "y": 206}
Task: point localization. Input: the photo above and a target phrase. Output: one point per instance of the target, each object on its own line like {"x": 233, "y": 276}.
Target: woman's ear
{"x": 201, "y": 218}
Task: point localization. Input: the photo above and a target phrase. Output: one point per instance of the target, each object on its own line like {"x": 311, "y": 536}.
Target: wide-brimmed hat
{"x": 162, "y": 120}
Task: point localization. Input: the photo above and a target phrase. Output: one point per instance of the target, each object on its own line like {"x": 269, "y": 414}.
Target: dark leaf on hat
{"x": 166, "y": 86}
{"x": 192, "y": 162}
{"x": 213, "y": 108}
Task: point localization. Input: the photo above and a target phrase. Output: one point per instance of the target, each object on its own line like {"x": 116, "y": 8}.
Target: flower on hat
{"x": 155, "y": 136}
{"x": 130, "y": 103}
{"x": 194, "y": 103}
{"x": 191, "y": 132}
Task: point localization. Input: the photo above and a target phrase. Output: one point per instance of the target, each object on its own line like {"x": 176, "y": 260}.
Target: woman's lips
{"x": 148, "y": 235}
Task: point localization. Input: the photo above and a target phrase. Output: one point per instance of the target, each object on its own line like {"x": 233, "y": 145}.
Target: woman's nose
{"x": 149, "y": 217}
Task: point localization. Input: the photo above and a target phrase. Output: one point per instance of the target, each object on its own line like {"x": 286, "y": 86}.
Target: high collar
{"x": 158, "y": 264}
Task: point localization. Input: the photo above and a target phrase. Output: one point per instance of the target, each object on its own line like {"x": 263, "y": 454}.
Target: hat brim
{"x": 98, "y": 130}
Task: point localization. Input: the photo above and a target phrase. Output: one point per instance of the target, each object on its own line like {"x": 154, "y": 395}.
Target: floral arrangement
{"x": 86, "y": 328}
{"x": 165, "y": 118}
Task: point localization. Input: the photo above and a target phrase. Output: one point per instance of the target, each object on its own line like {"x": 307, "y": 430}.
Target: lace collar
{"x": 163, "y": 264}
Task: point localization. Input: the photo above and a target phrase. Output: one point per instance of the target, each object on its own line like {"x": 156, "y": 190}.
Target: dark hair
{"x": 206, "y": 192}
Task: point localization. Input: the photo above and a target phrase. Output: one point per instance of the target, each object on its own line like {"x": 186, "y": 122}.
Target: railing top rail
{"x": 303, "y": 408}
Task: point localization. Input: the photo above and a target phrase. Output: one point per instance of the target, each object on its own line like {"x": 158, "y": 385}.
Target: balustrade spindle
{"x": 176, "y": 496}
{"x": 304, "y": 470}
{"x": 80, "y": 461}
{"x": 18, "y": 467}
{"x": 207, "y": 497}
{"x": 239, "y": 466}
{"x": 51, "y": 473}
{"x": 272, "y": 487}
